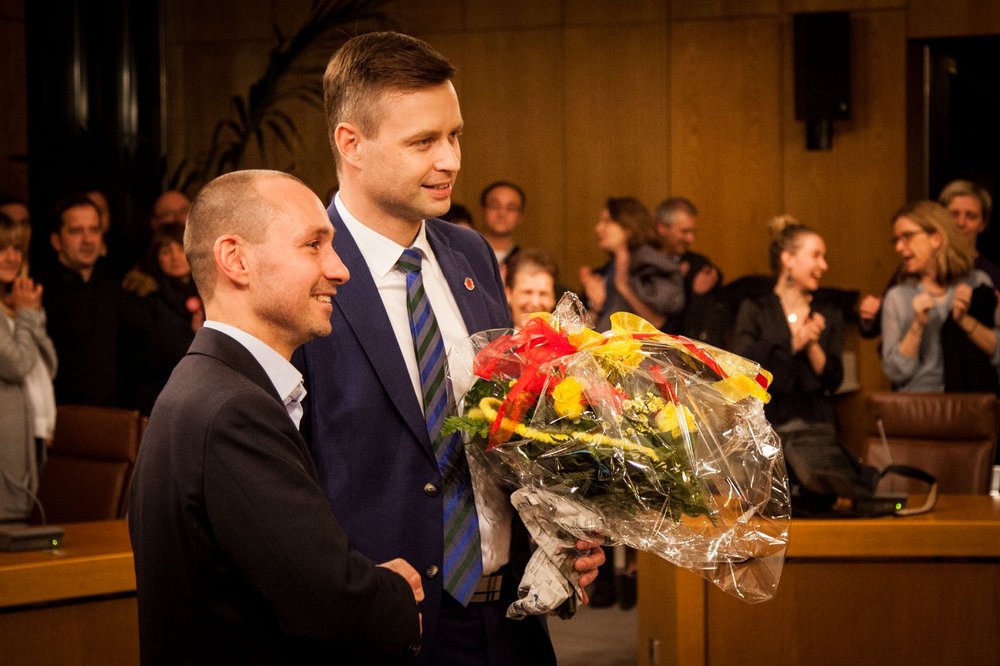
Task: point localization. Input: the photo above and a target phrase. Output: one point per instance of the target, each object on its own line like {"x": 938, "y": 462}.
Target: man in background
{"x": 503, "y": 212}
{"x": 83, "y": 302}
{"x": 238, "y": 557}
{"x": 676, "y": 224}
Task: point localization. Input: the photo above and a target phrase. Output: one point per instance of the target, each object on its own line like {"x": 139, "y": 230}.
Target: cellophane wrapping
{"x": 646, "y": 439}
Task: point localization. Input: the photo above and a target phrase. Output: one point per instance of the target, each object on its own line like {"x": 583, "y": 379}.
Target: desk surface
{"x": 95, "y": 559}
{"x": 959, "y": 526}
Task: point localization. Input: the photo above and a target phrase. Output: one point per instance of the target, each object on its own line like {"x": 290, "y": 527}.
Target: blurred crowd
{"x": 100, "y": 321}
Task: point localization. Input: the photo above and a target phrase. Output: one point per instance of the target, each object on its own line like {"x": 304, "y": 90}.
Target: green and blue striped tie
{"x": 463, "y": 565}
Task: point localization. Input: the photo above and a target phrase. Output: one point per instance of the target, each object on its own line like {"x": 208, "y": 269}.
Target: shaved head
{"x": 234, "y": 204}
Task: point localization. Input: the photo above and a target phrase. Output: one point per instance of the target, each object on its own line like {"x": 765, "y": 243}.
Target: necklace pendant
{"x": 792, "y": 318}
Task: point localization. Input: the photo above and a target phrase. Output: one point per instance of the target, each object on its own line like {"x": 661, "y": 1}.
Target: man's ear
{"x": 347, "y": 138}
{"x": 230, "y": 259}
{"x": 56, "y": 242}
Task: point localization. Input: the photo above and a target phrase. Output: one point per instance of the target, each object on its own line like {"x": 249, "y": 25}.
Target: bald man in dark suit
{"x": 238, "y": 556}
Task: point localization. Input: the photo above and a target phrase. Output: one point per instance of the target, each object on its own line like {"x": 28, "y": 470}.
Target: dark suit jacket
{"x": 238, "y": 558}
{"x": 366, "y": 429}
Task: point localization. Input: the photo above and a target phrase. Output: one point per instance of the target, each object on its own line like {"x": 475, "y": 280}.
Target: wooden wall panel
{"x": 796, "y": 6}
{"x": 688, "y": 9}
{"x": 849, "y": 192}
{"x": 602, "y": 12}
{"x": 509, "y": 85}
{"x": 489, "y": 14}
{"x": 616, "y": 110}
{"x": 427, "y": 16}
{"x": 725, "y": 117}
{"x": 939, "y": 18}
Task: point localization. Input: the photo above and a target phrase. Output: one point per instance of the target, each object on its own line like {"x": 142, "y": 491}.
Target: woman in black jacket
{"x": 161, "y": 314}
{"x": 793, "y": 334}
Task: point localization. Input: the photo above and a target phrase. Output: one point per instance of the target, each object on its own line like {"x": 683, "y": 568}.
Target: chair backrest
{"x": 90, "y": 463}
{"x": 950, "y": 435}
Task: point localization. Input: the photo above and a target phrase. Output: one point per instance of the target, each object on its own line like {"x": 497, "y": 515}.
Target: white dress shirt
{"x": 284, "y": 376}
{"x": 381, "y": 254}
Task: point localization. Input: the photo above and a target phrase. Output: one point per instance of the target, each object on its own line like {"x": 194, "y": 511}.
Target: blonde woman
{"x": 27, "y": 365}
{"x": 938, "y": 330}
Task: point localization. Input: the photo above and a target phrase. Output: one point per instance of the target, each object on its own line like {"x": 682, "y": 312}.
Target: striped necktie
{"x": 463, "y": 565}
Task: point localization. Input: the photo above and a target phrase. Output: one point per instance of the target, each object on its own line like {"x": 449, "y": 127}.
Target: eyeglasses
{"x": 906, "y": 237}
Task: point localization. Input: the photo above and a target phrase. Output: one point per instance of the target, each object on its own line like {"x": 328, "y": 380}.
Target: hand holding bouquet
{"x": 649, "y": 439}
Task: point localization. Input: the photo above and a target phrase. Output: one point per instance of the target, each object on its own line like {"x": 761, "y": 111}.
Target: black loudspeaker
{"x": 822, "y": 74}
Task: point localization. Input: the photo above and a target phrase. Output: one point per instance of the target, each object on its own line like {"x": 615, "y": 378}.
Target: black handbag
{"x": 825, "y": 479}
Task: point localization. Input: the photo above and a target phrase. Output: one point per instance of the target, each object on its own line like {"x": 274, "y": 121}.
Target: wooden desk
{"x": 74, "y": 605}
{"x": 915, "y": 590}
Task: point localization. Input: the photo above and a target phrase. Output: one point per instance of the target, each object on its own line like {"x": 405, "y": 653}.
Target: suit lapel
{"x": 211, "y": 342}
{"x": 359, "y": 302}
{"x": 458, "y": 273}
{"x": 218, "y": 345}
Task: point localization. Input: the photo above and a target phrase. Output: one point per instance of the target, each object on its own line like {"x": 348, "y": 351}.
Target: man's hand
{"x": 409, "y": 574}
{"x": 592, "y": 556}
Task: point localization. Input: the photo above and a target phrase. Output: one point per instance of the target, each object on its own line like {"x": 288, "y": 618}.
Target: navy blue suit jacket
{"x": 363, "y": 422}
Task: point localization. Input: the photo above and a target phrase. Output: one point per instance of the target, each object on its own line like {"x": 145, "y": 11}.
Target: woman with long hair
{"x": 938, "y": 323}
{"x": 27, "y": 366}
{"x": 638, "y": 278}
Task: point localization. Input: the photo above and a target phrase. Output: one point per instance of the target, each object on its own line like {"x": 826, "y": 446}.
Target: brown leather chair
{"x": 950, "y": 435}
{"x": 90, "y": 464}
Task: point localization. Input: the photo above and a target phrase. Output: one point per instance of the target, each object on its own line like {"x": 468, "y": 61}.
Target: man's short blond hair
{"x": 229, "y": 204}
{"x": 369, "y": 65}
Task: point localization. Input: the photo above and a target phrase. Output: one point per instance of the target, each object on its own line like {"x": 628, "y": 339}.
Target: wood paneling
{"x": 725, "y": 117}
{"x": 602, "y": 12}
{"x": 616, "y": 110}
{"x": 892, "y": 591}
{"x": 489, "y": 14}
{"x": 428, "y": 16}
{"x": 796, "y": 6}
{"x": 688, "y": 9}
{"x": 937, "y": 18}
{"x": 509, "y": 86}
{"x": 849, "y": 193}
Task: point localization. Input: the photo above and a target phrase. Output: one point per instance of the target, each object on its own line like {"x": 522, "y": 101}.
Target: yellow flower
{"x": 568, "y": 398}
{"x": 667, "y": 421}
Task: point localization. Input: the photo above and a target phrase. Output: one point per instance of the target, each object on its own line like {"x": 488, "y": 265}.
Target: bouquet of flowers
{"x": 648, "y": 439}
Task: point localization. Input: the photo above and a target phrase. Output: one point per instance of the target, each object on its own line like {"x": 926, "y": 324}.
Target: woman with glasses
{"x": 938, "y": 324}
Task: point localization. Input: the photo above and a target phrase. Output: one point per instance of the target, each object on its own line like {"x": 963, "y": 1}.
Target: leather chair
{"x": 950, "y": 435}
{"x": 90, "y": 464}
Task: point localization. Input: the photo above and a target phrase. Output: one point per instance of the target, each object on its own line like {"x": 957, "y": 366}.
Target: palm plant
{"x": 294, "y": 72}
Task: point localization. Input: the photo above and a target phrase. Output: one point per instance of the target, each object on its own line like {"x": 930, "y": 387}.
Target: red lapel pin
{"x": 469, "y": 284}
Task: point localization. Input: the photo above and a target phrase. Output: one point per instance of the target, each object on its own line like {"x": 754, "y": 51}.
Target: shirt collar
{"x": 380, "y": 253}
{"x": 283, "y": 375}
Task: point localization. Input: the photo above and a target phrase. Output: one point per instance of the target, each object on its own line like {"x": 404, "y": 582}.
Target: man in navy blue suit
{"x": 394, "y": 125}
